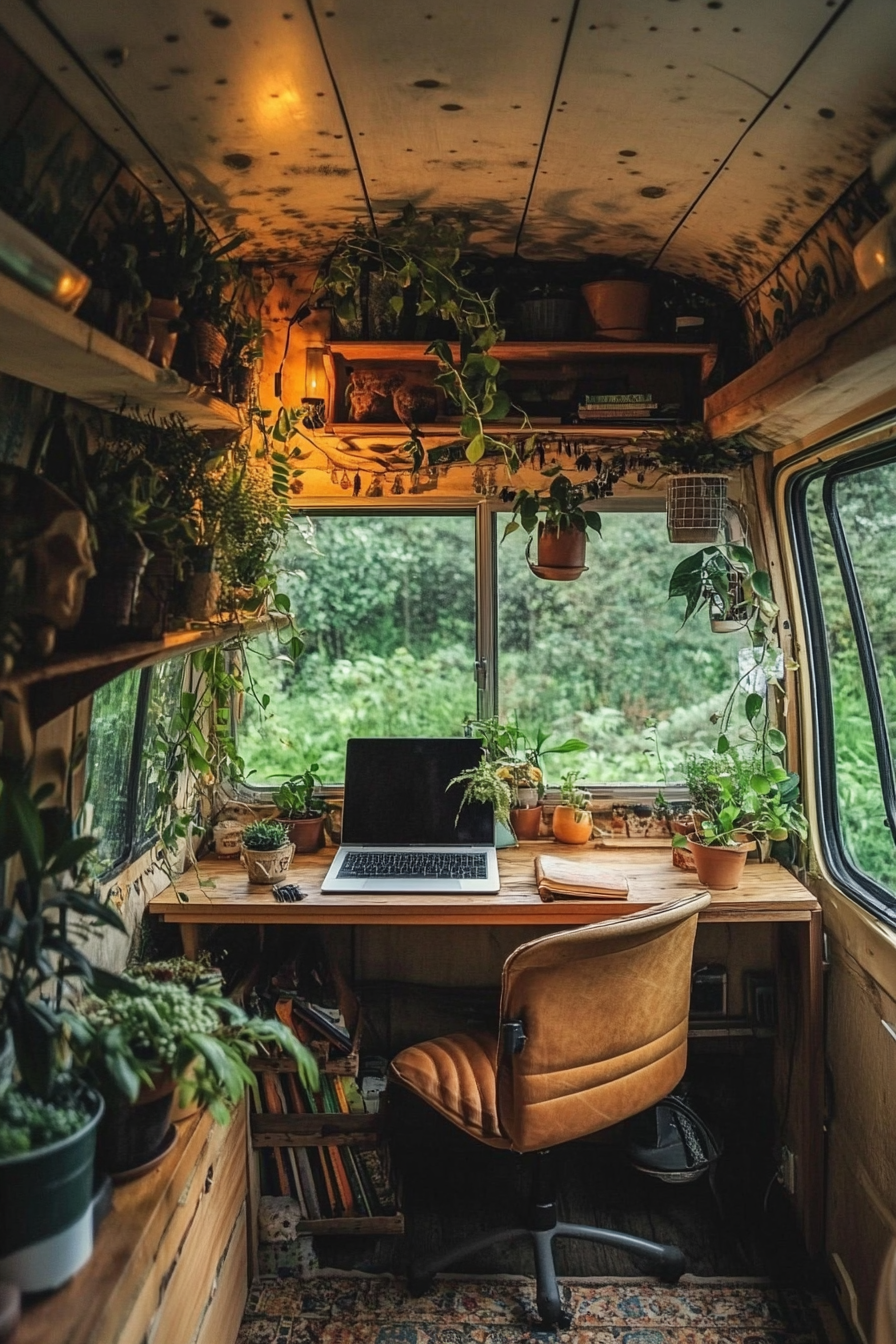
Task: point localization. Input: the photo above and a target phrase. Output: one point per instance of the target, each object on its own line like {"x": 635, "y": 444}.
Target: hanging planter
{"x": 562, "y": 536}
{"x": 695, "y": 507}
{"x": 729, "y": 614}
{"x": 561, "y": 553}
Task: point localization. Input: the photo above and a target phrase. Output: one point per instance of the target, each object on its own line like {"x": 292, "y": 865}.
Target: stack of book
{"x": 617, "y": 406}
{"x": 326, "y": 1180}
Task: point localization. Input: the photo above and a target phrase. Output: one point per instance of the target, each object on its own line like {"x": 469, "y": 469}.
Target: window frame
{"x": 845, "y": 873}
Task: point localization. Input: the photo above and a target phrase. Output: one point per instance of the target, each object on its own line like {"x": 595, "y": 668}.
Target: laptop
{"x": 401, "y": 830}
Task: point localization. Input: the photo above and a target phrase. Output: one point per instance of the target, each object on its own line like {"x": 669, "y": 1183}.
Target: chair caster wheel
{"x": 419, "y": 1284}
{"x": 562, "y": 1322}
{"x": 671, "y": 1270}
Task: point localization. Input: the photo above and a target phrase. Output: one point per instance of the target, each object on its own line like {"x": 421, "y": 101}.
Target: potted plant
{"x": 525, "y": 781}
{"x": 698, "y": 469}
{"x": 482, "y": 784}
{"x": 150, "y": 1034}
{"x": 572, "y": 823}
{"x": 549, "y": 312}
{"x": 619, "y": 306}
{"x": 563, "y": 532}
{"x": 517, "y": 761}
{"x": 48, "y": 1116}
{"x": 266, "y": 851}
{"x": 727, "y": 579}
{"x": 303, "y": 814}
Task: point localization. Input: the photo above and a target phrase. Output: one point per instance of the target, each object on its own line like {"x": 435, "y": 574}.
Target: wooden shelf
{"x": 44, "y": 345}
{"x": 64, "y": 680}
{"x": 403, "y": 352}
{"x": 451, "y": 430}
{"x": 825, "y": 370}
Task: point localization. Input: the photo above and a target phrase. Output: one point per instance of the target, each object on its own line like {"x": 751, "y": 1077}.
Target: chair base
{"x": 542, "y": 1227}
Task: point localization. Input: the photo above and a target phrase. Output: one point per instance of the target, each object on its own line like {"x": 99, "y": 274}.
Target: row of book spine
{"x": 327, "y": 1180}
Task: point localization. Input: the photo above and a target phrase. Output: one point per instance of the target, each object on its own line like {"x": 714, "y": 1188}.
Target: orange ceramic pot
{"x": 306, "y": 833}
{"x": 719, "y": 867}
{"x": 571, "y": 825}
{"x": 526, "y": 822}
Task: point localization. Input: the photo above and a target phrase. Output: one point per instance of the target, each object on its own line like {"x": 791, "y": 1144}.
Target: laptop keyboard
{"x": 398, "y": 863}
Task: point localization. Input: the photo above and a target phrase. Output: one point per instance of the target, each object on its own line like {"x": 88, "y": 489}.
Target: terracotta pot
{"x": 620, "y": 308}
{"x": 683, "y": 858}
{"x": 571, "y": 825}
{"x": 160, "y": 314}
{"x": 526, "y": 822}
{"x": 306, "y": 833}
{"x": 267, "y": 866}
{"x": 560, "y": 550}
{"x": 719, "y": 867}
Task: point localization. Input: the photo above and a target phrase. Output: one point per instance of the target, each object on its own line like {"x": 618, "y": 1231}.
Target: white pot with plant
{"x": 266, "y": 851}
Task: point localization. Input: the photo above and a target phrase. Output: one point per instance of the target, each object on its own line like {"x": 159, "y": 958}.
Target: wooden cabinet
{"x": 547, "y": 379}
{"x": 171, "y": 1259}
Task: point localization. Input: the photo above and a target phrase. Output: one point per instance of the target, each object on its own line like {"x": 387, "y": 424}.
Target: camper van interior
{"x": 375, "y": 373}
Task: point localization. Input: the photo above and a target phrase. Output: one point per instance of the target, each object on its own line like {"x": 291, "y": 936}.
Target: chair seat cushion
{"x": 456, "y": 1076}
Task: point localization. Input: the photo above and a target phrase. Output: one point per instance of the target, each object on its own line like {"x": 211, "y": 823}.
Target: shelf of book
{"x": 326, "y": 1152}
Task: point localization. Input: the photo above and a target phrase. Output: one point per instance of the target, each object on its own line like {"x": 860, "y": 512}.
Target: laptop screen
{"x": 396, "y": 793}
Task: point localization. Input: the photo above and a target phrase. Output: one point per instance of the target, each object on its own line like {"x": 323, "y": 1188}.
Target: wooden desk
{"x": 767, "y": 894}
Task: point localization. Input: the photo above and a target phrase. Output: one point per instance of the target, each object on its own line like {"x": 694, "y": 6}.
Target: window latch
{"x": 481, "y": 669}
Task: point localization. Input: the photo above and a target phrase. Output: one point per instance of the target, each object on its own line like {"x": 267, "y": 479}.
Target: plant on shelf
{"x": 572, "y": 822}
{"x": 45, "y": 1109}
{"x": 303, "y": 813}
{"x": 421, "y": 259}
{"x": 562, "y": 532}
{"x": 146, "y": 1036}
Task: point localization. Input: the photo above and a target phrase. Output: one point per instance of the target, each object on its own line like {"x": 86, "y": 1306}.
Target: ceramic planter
{"x": 571, "y": 825}
{"x": 228, "y": 839}
{"x": 719, "y": 867}
{"x": 46, "y": 1209}
{"x": 306, "y": 833}
{"x": 267, "y": 866}
{"x": 548, "y": 319}
{"x": 695, "y": 507}
{"x": 526, "y": 822}
{"x": 134, "y": 1134}
{"x": 561, "y": 555}
{"x": 620, "y": 308}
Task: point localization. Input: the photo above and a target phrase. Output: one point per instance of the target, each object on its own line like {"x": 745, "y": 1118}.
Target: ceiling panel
{"x": 653, "y": 96}
{"x": 237, "y": 101}
{"x": 814, "y": 140}
{"x": 447, "y": 100}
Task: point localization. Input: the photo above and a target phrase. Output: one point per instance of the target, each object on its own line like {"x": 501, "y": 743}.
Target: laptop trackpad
{"x": 421, "y": 884}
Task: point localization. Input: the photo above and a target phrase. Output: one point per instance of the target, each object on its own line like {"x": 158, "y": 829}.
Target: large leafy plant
{"x": 40, "y": 930}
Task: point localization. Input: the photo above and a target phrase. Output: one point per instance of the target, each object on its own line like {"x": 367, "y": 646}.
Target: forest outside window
{"x": 389, "y": 606}
{"x": 845, "y": 515}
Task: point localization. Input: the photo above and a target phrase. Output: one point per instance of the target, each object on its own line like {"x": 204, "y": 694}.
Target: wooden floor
{"x": 455, "y": 1188}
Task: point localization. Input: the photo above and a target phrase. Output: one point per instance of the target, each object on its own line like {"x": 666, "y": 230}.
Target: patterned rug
{"x": 336, "y": 1308}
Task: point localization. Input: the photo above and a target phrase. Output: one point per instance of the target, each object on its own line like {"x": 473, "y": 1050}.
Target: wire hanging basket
{"x": 695, "y": 507}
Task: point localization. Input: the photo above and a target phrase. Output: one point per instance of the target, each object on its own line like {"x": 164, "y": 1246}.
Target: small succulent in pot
{"x": 265, "y": 835}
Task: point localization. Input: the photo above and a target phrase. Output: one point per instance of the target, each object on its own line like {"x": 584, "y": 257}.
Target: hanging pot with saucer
{"x": 561, "y": 553}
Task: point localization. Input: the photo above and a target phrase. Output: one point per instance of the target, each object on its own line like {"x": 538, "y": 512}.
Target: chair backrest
{"x": 605, "y": 1013}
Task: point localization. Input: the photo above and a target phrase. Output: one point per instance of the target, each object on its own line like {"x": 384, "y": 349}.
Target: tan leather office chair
{"x": 593, "y": 1029}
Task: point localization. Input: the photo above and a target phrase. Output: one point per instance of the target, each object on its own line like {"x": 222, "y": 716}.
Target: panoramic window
{"x": 120, "y": 794}
{"x": 388, "y": 607}
{"x": 596, "y": 658}
{"x": 848, "y": 515}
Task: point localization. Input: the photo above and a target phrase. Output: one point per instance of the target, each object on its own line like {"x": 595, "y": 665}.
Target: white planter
{"x": 228, "y": 839}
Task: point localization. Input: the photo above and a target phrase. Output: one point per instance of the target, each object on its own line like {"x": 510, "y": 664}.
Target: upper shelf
{"x": 403, "y": 352}
{"x": 44, "y": 345}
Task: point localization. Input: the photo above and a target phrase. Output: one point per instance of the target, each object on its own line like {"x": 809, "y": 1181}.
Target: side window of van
{"x": 845, "y": 515}
{"x": 120, "y": 794}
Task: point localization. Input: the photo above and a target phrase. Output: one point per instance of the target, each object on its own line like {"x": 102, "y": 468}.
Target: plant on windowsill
{"x": 572, "y": 823}
{"x": 303, "y": 814}
{"x": 266, "y": 851}
{"x": 483, "y": 785}
{"x": 517, "y": 760}
{"x": 146, "y": 1037}
{"x": 563, "y": 532}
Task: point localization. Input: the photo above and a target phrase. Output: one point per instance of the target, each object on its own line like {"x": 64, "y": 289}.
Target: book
{"x": 323, "y": 1024}
{"x": 577, "y": 879}
{"x": 309, "y": 1188}
{"x": 363, "y": 1207}
{"x": 297, "y": 1182}
{"x": 615, "y": 398}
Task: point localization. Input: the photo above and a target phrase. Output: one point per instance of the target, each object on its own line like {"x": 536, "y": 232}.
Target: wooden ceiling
{"x": 705, "y": 136}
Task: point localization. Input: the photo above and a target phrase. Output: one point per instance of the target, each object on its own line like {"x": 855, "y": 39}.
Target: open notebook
{"x": 565, "y": 879}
